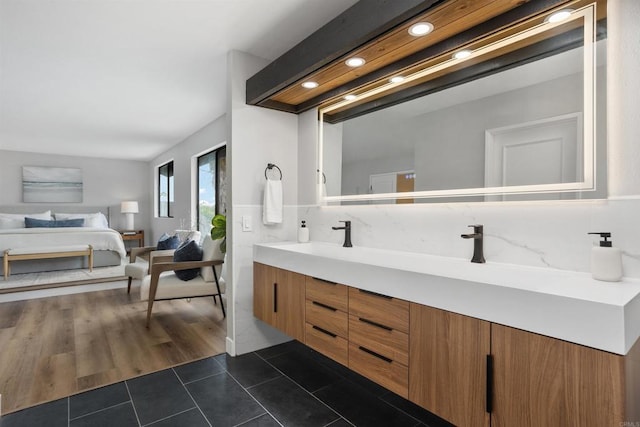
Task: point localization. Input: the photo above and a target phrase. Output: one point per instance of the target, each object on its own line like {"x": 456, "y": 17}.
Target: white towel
{"x": 272, "y": 206}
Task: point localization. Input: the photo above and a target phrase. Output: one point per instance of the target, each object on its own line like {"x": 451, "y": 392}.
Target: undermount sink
{"x": 562, "y": 304}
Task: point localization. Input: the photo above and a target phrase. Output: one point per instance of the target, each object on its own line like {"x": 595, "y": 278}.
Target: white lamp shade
{"x": 129, "y": 207}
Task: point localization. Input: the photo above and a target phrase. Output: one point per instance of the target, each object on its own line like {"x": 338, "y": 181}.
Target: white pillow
{"x": 11, "y": 223}
{"x": 211, "y": 251}
{"x": 93, "y": 220}
{"x": 184, "y": 235}
{"x": 44, "y": 215}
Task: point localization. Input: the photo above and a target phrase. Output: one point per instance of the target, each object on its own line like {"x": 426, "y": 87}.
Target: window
{"x": 165, "y": 190}
{"x": 212, "y": 174}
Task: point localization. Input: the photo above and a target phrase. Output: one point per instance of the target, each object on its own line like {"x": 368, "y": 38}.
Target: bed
{"x": 94, "y": 230}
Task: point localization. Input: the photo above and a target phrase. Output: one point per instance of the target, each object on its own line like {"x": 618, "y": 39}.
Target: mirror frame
{"x": 587, "y": 14}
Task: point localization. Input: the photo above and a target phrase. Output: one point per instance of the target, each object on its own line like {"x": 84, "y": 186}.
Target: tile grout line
{"x": 305, "y": 390}
{"x": 133, "y": 405}
{"x": 255, "y": 418}
{"x": 98, "y": 411}
{"x": 191, "y": 397}
{"x": 400, "y": 410}
{"x": 170, "y": 416}
{"x": 253, "y": 397}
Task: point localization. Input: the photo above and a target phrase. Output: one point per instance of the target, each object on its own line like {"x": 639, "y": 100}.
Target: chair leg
{"x": 149, "y": 307}
{"x": 215, "y": 276}
{"x": 215, "y": 300}
{"x": 129, "y": 285}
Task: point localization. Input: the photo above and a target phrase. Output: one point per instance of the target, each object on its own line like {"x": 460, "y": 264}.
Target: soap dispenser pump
{"x": 606, "y": 261}
{"x": 303, "y": 233}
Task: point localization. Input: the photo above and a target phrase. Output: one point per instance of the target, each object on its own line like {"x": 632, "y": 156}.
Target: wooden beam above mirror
{"x": 378, "y": 32}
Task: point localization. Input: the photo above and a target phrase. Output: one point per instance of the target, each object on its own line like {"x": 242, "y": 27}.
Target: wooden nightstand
{"x": 133, "y": 235}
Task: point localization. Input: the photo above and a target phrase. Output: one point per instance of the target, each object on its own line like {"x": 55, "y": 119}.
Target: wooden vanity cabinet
{"x": 379, "y": 339}
{"x": 542, "y": 381}
{"x": 468, "y": 371}
{"x": 279, "y": 299}
{"x": 448, "y": 369}
{"x": 326, "y": 329}
{"x": 528, "y": 380}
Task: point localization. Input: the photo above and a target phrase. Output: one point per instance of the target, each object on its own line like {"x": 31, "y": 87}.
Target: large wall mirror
{"x": 534, "y": 130}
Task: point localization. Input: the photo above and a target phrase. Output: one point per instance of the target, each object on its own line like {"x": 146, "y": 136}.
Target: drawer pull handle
{"x": 373, "y": 353}
{"x": 329, "y": 282}
{"x": 275, "y": 297}
{"x": 324, "y": 331}
{"x": 377, "y": 325}
{"x": 375, "y": 294}
{"x": 328, "y": 307}
{"x": 489, "y": 396}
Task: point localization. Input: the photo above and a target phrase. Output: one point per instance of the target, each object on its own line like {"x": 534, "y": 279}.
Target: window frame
{"x": 219, "y": 152}
{"x": 170, "y": 188}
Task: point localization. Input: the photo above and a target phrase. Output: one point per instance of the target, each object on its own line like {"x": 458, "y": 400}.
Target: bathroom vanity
{"x": 476, "y": 344}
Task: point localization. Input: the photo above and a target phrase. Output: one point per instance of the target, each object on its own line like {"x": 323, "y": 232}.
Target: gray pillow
{"x": 45, "y": 223}
{"x": 188, "y": 251}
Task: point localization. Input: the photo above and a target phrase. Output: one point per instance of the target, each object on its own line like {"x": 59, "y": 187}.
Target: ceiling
{"x": 130, "y": 79}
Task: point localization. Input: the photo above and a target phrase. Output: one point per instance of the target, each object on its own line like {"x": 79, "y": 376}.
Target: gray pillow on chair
{"x": 188, "y": 251}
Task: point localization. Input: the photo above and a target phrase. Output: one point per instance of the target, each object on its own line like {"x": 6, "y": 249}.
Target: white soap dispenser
{"x": 606, "y": 261}
{"x": 303, "y": 233}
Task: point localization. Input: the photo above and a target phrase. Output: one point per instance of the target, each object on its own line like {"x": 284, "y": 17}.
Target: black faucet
{"x": 347, "y": 233}
{"x": 477, "y": 237}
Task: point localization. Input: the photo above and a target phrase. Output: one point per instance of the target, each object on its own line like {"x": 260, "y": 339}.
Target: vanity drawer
{"x": 386, "y": 372}
{"x": 387, "y": 342}
{"x": 328, "y": 318}
{"x": 387, "y": 311}
{"x": 332, "y": 294}
{"x": 334, "y": 347}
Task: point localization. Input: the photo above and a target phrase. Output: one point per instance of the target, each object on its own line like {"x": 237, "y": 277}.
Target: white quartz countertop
{"x": 562, "y": 304}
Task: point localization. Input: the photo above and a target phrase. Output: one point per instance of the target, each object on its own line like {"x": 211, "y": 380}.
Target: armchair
{"x": 163, "y": 284}
{"x": 140, "y": 258}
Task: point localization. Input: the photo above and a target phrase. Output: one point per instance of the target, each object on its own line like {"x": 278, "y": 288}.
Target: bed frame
{"x": 100, "y": 258}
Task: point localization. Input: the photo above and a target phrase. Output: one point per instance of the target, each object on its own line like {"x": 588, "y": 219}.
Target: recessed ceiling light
{"x": 462, "y": 54}
{"x": 309, "y": 85}
{"x": 350, "y": 97}
{"x": 396, "y": 79}
{"x": 355, "y": 62}
{"x": 558, "y": 16}
{"x": 421, "y": 29}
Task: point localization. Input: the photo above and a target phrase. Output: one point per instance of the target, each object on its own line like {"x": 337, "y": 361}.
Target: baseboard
{"x": 230, "y": 347}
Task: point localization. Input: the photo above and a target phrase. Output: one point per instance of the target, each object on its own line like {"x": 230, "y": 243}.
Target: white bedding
{"x": 99, "y": 238}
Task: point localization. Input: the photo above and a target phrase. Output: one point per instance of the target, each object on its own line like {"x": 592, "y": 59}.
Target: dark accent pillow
{"x": 188, "y": 251}
{"x": 45, "y": 223}
{"x": 167, "y": 242}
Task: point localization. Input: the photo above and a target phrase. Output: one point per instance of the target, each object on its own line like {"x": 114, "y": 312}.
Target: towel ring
{"x": 324, "y": 177}
{"x": 270, "y": 166}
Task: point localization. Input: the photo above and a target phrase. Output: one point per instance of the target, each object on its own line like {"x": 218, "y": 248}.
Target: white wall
{"x": 546, "y": 234}
{"x": 105, "y": 182}
{"x": 211, "y": 136}
{"x": 257, "y": 136}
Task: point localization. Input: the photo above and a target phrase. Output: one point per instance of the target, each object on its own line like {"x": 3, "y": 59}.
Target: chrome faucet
{"x": 477, "y": 237}
{"x": 347, "y": 233}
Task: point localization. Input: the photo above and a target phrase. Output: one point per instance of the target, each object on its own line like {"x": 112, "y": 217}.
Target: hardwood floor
{"x": 57, "y": 346}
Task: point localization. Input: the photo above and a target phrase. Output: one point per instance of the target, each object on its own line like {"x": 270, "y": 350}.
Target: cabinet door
{"x": 542, "y": 381}
{"x": 448, "y": 365}
{"x": 264, "y": 290}
{"x": 290, "y": 291}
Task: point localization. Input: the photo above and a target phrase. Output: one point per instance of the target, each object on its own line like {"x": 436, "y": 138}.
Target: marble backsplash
{"x": 542, "y": 234}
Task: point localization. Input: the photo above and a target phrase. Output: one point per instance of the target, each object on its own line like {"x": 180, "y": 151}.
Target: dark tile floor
{"x": 285, "y": 385}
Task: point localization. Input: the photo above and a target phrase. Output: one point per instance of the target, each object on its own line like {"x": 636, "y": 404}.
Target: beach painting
{"x": 51, "y": 185}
